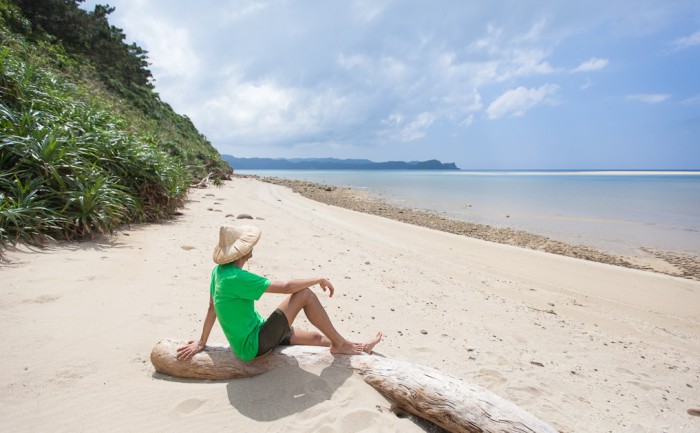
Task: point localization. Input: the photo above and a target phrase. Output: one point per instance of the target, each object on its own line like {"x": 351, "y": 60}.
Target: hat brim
{"x": 230, "y": 252}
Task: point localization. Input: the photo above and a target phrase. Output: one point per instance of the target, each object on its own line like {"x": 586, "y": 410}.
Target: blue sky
{"x": 485, "y": 84}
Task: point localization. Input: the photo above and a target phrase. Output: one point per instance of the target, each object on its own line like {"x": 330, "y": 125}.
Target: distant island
{"x": 332, "y": 164}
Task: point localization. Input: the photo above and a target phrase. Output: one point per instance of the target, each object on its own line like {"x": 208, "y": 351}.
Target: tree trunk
{"x": 447, "y": 401}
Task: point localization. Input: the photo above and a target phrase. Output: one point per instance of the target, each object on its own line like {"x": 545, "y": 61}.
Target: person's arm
{"x": 293, "y": 286}
{"x": 193, "y": 347}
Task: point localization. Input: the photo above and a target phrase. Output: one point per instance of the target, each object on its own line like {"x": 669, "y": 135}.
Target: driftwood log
{"x": 447, "y": 401}
{"x": 202, "y": 183}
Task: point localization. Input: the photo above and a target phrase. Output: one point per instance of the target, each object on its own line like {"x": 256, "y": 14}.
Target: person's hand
{"x": 186, "y": 352}
{"x": 325, "y": 284}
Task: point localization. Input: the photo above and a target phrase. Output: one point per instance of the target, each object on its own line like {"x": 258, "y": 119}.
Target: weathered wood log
{"x": 447, "y": 401}
{"x": 202, "y": 183}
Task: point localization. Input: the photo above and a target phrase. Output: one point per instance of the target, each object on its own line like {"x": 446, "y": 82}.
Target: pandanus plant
{"x": 71, "y": 169}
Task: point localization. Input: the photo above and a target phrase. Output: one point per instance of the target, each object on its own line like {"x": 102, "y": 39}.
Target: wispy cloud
{"x": 518, "y": 101}
{"x": 586, "y": 85}
{"x": 693, "y": 100}
{"x": 686, "y": 41}
{"x": 649, "y": 98}
{"x": 594, "y": 64}
{"x": 416, "y": 129}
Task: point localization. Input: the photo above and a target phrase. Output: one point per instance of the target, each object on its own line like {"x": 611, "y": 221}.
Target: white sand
{"x": 78, "y": 321}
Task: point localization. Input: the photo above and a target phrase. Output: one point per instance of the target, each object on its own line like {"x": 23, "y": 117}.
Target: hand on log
{"x": 217, "y": 362}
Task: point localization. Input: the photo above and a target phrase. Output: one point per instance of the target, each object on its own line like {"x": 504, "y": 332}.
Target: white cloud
{"x": 526, "y": 62}
{"x": 512, "y": 56}
{"x": 686, "y": 41}
{"x": 413, "y": 130}
{"x": 489, "y": 43}
{"x": 535, "y": 32}
{"x": 594, "y": 64}
{"x": 169, "y": 44}
{"x": 265, "y": 112}
{"x": 393, "y": 119}
{"x": 518, "y": 101}
{"x": 648, "y": 98}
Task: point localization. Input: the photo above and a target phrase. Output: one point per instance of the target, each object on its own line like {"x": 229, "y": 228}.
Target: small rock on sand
{"x": 244, "y": 216}
{"x": 694, "y": 411}
{"x": 187, "y": 247}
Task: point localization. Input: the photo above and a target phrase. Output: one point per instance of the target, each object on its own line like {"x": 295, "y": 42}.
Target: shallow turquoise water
{"x": 617, "y": 212}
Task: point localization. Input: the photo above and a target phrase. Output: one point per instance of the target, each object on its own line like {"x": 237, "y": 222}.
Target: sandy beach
{"x": 585, "y": 346}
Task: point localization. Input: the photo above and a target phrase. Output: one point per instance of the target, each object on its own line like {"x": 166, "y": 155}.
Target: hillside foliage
{"x": 86, "y": 144}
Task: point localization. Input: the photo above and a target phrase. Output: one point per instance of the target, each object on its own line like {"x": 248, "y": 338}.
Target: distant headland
{"x": 332, "y": 164}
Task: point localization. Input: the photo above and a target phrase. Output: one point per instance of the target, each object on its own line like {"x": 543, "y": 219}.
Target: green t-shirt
{"x": 234, "y": 292}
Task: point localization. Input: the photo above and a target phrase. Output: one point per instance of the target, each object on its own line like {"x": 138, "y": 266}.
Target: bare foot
{"x": 347, "y": 348}
{"x": 368, "y": 346}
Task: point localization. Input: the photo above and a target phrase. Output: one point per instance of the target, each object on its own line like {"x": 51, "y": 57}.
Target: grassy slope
{"x": 78, "y": 159}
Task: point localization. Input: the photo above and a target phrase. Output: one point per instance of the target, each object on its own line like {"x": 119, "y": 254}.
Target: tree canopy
{"x": 89, "y": 34}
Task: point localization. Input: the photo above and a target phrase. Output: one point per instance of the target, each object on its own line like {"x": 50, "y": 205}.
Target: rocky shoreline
{"x": 675, "y": 264}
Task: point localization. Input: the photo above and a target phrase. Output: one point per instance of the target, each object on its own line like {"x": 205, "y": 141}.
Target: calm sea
{"x": 614, "y": 211}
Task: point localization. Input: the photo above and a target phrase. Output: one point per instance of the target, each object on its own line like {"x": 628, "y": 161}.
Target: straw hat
{"x": 235, "y": 242}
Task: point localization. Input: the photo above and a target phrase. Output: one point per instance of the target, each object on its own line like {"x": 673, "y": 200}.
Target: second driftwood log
{"x": 447, "y": 401}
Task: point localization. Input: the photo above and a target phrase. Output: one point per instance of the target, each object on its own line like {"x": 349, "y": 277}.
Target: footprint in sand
{"x": 492, "y": 377}
{"x": 524, "y": 394}
{"x": 188, "y": 406}
{"x": 360, "y": 420}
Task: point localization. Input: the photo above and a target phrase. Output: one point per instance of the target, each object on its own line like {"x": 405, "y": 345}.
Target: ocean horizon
{"x": 618, "y": 211}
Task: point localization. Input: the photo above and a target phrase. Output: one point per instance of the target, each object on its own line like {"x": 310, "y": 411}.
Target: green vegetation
{"x": 86, "y": 144}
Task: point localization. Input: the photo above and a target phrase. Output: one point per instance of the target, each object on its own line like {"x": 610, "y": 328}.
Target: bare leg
{"x": 309, "y": 338}
{"x": 306, "y": 300}
{"x": 312, "y": 338}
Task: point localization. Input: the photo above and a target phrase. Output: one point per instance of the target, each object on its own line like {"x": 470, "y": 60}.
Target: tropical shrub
{"x": 77, "y": 160}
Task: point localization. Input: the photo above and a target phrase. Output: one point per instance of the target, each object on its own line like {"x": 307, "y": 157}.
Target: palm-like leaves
{"x": 24, "y": 213}
{"x": 69, "y": 168}
{"x": 94, "y": 205}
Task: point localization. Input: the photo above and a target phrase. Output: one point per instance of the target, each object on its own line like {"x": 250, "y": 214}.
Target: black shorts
{"x": 274, "y": 332}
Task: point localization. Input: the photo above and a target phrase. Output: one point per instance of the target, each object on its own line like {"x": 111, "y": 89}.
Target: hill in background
{"x": 333, "y": 164}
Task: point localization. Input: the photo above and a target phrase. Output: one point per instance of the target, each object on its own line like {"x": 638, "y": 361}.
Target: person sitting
{"x": 232, "y": 295}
